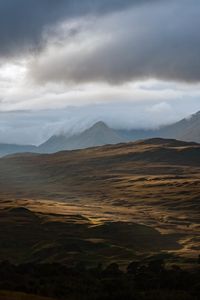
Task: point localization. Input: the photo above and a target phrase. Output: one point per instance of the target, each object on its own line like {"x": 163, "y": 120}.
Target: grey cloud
{"x": 153, "y": 41}
{"x": 23, "y": 22}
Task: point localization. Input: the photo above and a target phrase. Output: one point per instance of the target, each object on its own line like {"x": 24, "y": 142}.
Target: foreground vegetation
{"x": 148, "y": 281}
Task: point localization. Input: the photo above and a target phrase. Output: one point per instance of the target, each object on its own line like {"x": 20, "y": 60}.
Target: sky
{"x": 66, "y": 64}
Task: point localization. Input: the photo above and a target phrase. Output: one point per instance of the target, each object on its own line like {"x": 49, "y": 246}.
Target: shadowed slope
{"x": 27, "y": 236}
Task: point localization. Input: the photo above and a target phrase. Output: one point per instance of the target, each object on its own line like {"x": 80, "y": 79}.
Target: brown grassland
{"x": 111, "y": 203}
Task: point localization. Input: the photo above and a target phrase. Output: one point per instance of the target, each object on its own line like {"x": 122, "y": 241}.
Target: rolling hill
{"x": 155, "y": 183}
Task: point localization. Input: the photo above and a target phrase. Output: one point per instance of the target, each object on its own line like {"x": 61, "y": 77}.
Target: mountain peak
{"x": 97, "y": 135}
{"x": 99, "y": 125}
{"x": 195, "y": 115}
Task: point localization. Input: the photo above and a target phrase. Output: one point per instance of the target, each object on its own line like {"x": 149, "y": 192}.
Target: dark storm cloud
{"x": 22, "y": 22}
{"x": 153, "y": 41}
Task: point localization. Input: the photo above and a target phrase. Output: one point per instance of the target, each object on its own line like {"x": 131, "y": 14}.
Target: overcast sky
{"x": 65, "y": 64}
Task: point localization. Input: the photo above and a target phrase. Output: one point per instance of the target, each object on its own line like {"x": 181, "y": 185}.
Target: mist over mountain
{"x": 100, "y": 134}
{"x": 187, "y": 129}
{"x": 97, "y": 135}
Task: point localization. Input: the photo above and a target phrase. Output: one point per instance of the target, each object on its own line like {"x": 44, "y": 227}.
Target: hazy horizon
{"x": 34, "y": 128}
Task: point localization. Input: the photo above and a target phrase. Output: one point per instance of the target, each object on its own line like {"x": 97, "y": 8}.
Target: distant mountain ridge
{"x": 97, "y": 135}
{"x": 6, "y": 149}
{"x": 100, "y": 134}
{"x": 187, "y": 130}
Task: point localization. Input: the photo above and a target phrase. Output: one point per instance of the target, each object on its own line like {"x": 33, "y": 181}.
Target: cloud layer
{"x": 23, "y": 23}
{"x": 157, "y": 40}
{"x": 65, "y": 64}
{"x": 34, "y": 127}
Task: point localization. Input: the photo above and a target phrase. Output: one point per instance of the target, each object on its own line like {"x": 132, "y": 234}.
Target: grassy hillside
{"x": 95, "y": 191}
{"x": 27, "y": 236}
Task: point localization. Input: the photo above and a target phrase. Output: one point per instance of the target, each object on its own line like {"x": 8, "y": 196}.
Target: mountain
{"x": 6, "y": 149}
{"x": 100, "y": 134}
{"x": 187, "y": 129}
{"x": 97, "y": 135}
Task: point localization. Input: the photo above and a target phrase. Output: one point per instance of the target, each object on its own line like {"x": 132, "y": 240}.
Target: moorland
{"x": 107, "y": 205}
